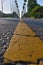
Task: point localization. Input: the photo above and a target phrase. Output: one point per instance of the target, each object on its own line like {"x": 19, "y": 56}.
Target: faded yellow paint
{"x": 22, "y": 47}
{"x": 23, "y": 29}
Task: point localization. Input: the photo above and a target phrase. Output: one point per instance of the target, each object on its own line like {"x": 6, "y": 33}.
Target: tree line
{"x": 34, "y": 9}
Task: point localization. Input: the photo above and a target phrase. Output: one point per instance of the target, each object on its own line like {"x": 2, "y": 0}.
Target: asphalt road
{"x": 36, "y": 25}
{"x": 25, "y": 44}
{"x": 7, "y": 27}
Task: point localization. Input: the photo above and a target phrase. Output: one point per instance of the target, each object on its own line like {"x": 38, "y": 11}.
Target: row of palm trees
{"x": 17, "y": 6}
{"x": 24, "y": 7}
{"x": 24, "y": 4}
{"x": 16, "y": 3}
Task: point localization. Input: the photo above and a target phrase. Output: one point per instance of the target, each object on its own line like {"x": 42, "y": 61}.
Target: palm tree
{"x": 24, "y": 4}
{"x": 23, "y": 7}
{"x": 25, "y": 0}
{"x": 22, "y": 11}
{"x": 15, "y": 1}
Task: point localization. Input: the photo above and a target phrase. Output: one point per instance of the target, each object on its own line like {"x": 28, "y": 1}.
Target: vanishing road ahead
{"x": 21, "y": 41}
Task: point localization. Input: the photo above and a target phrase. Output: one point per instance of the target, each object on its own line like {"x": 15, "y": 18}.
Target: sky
{"x": 20, "y": 3}
{"x": 40, "y": 2}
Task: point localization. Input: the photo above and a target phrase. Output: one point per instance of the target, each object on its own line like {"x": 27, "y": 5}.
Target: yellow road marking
{"x": 22, "y": 47}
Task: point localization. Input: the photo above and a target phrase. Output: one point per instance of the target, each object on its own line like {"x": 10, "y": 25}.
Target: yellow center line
{"x": 22, "y": 47}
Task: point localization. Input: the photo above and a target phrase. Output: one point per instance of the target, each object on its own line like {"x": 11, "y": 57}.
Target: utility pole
{"x": 2, "y": 7}
{"x": 2, "y": 4}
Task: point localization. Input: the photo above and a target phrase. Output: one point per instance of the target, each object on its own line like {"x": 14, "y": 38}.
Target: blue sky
{"x": 40, "y": 2}
{"x": 20, "y": 4}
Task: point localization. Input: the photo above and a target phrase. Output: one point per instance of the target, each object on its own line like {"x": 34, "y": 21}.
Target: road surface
{"x": 7, "y": 27}
{"x": 23, "y": 41}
